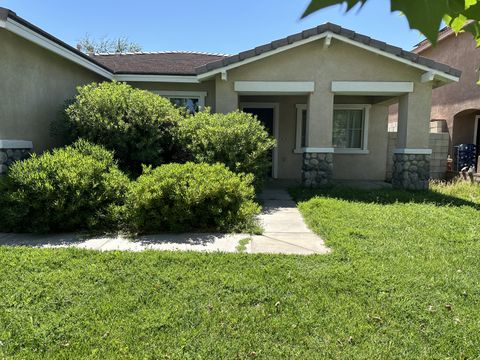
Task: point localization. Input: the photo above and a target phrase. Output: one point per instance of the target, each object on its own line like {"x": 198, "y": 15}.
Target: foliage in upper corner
{"x": 424, "y": 15}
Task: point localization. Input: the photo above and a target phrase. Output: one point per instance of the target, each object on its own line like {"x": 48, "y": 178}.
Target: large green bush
{"x": 67, "y": 189}
{"x": 137, "y": 125}
{"x": 236, "y": 139}
{"x": 183, "y": 197}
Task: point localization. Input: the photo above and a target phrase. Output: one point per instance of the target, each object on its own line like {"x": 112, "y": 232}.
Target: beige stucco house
{"x": 458, "y": 104}
{"x": 323, "y": 94}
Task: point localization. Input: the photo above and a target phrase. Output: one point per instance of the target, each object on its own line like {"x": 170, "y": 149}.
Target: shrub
{"x": 68, "y": 189}
{"x": 137, "y": 125}
{"x": 182, "y": 197}
{"x": 237, "y": 140}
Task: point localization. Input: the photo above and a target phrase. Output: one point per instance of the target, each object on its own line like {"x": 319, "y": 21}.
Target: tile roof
{"x": 158, "y": 63}
{"x": 335, "y": 29}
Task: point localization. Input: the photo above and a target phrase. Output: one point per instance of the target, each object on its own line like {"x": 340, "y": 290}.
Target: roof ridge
{"x": 162, "y": 52}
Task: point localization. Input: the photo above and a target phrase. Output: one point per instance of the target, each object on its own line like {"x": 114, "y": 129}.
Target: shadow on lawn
{"x": 380, "y": 196}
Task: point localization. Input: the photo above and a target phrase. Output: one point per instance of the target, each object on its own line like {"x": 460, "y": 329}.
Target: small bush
{"x": 183, "y": 197}
{"x": 137, "y": 125}
{"x": 68, "y": 189}
{"x": 237, "y": 140}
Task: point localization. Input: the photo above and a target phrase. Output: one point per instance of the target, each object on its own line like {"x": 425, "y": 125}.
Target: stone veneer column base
{"x": 317, "y": 169}
{"x": 411, "y": 171}
{"x": 13, "y": 150}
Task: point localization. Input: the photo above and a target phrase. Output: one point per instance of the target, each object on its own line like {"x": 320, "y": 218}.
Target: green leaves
{"x": 425, "y": 16}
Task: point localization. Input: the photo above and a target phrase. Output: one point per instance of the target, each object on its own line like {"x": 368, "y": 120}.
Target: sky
{"x": 216, "y": 26}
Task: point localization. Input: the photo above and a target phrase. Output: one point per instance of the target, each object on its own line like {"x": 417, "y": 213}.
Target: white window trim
{"x": 200, "y": 95}
{"x": 298, "y": 127}
{"x": 366, "y": 120}
{"x": 275, "y": 107}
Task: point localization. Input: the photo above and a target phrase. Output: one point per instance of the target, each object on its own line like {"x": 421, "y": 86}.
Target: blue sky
{"x": 224, "y": 26}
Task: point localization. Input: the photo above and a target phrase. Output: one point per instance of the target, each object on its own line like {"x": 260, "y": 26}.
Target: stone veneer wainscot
{"x": 13, "y": 150}
{"x": 411, "y": 171}
{"x": 317, "y": 169}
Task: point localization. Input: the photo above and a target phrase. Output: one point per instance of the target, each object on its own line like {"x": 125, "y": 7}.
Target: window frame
{"x": 366, "y": 118}
{"x": 199, "y": 95}
{"x": 299, "y": 149}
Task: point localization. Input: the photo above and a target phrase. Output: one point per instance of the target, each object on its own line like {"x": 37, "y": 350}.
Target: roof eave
{"x": 205, "y": 73}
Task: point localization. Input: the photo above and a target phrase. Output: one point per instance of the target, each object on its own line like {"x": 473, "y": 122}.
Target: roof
{"x": 193, "y": 64}
{"x": 334, "y": 29}
{"x": 159, "y": 63}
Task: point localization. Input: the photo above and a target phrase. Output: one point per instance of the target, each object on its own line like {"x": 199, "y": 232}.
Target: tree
{"x": 424, "y": 15}
{"x": 106, "y": 45}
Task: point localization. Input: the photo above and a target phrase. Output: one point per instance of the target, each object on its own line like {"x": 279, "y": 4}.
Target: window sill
{"x": 298, "y": 151}
{"x": 351, "y": 151}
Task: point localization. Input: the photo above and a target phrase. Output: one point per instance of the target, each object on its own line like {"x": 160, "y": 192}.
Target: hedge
{"x": 138, "y": 125}
{"x": 236, "y": 139}
{"x": 73, "y": 188}
{"x": 186, "y": 197}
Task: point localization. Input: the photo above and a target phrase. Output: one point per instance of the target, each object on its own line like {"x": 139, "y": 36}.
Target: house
{"x": 456, "y": 106}
{"x": 324, "y": 94}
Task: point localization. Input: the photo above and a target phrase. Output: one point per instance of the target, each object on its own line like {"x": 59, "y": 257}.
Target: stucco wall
{"x": 459, "y": 52}
{"x": 371, "y": 166}
{"x": 34, "y": 85}
{"x": 207, "y": 86}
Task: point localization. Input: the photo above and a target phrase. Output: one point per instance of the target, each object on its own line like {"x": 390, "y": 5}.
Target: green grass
{"x": 403, "y": 281}
{"x": 242, "y": 245}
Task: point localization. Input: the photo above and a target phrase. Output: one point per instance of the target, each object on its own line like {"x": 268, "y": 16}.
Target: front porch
{"x": 341, "y": 133}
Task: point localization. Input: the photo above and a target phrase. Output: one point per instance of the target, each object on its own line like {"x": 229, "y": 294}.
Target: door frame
{"x": 476, "y": 129}
{"x": 275, "y": 107}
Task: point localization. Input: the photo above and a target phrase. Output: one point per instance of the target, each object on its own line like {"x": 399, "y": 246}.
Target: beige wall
{"x": 451, "y": 100}
{"x": 311, "y": 62}
{"x": 459, "y": 52}
{"x": 371, "y": 166}
{"x": 34, "y": 85}
{"x": 207, "y": 86}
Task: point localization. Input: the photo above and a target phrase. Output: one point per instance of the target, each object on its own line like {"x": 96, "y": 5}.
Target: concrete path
{"x": 179, "y": 242}
{"x": 285, "y": 232}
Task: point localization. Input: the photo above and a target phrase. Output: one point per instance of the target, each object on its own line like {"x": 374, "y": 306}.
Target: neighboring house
{"x": 323, "y": 94}
{"x": 455, "y": 107}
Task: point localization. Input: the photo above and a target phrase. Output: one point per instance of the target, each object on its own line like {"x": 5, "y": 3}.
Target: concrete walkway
{"x": 284, "y": 233}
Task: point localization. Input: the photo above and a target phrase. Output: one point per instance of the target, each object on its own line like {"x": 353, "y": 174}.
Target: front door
{"x": 266, "y": 115}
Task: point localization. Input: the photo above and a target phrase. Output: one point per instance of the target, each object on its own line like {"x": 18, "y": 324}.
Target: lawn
{"x": 403, "y": 281}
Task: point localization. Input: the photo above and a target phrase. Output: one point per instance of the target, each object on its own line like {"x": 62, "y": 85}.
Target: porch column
{"x": 317, "y": 167}
{"x": 226, "y": 98}
{"x": 411, "y": 158}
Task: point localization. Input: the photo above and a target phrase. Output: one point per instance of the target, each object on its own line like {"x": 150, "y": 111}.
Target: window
{"x": 301, "y": 128}
{"x": 193, "y": 101}
{"x": 350, "y": 127}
